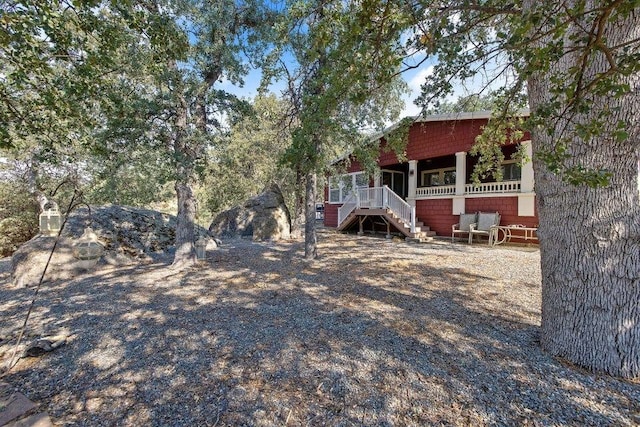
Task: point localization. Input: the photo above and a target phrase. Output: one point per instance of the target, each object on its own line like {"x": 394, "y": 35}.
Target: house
{"x": 425, "y": 194}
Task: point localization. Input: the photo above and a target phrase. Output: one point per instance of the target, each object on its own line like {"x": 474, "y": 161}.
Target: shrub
{"x": 18, "y": 216}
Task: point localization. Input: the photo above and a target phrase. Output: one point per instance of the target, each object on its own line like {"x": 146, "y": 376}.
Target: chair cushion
{"x": 466, "y": 220}
{"x": 487, "y": 220}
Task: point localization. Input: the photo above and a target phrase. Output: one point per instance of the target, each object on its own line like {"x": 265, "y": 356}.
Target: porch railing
{"x": 397, "y": 205}
{"x": 349, "y": 205}
{"x": 441, "y": 190}
{"x": 493, "y": 187}
{"x": 377, "y": 198}
{"x": 483, "y": 188}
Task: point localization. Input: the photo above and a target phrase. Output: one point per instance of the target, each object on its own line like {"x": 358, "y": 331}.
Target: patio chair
{"x": 463, "y": 227}
{"x": 483, "y": 227}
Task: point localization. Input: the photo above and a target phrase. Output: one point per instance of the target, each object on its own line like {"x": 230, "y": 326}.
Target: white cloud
{"x": 418, "y": 79}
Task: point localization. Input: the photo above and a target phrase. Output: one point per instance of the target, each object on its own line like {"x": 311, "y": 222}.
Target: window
{"x": 437, "y": 177}
{"x": 362, "y": 181}
{"x": 341, "y": 186}
{"x": 511, "y": 170}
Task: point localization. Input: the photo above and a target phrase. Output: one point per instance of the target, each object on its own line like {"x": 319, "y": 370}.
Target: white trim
{"x": 441, "y": 172}
{"x": 458, "y": 205}
{"x": 413, "y": 178}
{"x": 526, "y": 204}
{"x": 472, "y": 196}
{"x": 527, "y": 174}
{"x": 485, "y": 195}
{"x": 435, "y": 191}
{"x": 461, "y": 172}
{"x": 494, "y": 187}
{"x": 343, "y": 196}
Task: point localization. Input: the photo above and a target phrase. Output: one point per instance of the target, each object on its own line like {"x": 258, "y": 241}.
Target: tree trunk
{"x": 590, "y": 238}
{"x": 32, "y": 182}
{"x": 310, "y": 236}
{"x": 299, "y": 205}
{"x": 185, "y": 222}
{"x": 185, "y": 226}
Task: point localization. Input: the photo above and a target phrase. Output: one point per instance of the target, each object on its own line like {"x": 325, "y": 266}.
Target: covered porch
{"x": 449, "y": 177}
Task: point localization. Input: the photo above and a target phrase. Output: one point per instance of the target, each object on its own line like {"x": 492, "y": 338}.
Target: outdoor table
{"x": 517, "y": 231}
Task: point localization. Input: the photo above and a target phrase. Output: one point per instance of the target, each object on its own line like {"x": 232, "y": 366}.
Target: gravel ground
{"x": 375, "y": 332}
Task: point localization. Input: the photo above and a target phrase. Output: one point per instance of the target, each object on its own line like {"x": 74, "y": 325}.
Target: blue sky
{"x": 413, "y": 78}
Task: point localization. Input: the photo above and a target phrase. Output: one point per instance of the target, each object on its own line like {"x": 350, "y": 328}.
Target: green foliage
{"x": 18, "y": 216}
{"x": 509, "y": 42}
{"x": 250, "y": 158}
{"x": 470, "y": 103}
{"x": 344, "y": 80}
{"x": 488, "y": 147}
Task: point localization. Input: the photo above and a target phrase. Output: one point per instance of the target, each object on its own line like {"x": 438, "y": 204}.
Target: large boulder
{"x": 263, "y": 217}
{"x": 129, "y": 235}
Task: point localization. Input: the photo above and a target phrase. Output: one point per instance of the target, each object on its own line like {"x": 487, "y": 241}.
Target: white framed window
{"x": 342, "y": 185}
{"x": 511, "y": 170}
{"x": 437, "y": 177}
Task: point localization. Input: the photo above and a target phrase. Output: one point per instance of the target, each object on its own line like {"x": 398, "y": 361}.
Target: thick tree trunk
{"x": 185, "y": 226}
{"x": 310, "y": 235}
{"x": 185, "y": 254}
{"x": 590, "y": 238}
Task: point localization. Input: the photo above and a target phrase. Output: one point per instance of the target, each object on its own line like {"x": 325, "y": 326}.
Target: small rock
{"x": 41, "y": 347}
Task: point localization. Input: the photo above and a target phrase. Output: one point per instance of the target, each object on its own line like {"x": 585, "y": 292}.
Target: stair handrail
{"x": 398, "y": 206}
{"x": 349, "y": 205}
{"x": 390, "y": 200}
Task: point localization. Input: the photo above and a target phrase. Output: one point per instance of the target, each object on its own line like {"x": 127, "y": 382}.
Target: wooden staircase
{"x": 391, "y": 220}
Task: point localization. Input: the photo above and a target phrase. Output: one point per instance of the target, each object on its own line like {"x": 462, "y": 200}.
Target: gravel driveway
{"x": 375, "y": 333}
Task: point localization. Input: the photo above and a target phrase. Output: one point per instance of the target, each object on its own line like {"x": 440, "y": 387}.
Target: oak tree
{"x": 577, "y": 65}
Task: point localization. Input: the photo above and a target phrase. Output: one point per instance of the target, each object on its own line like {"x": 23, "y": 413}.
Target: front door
{"x": 395, "y": 181}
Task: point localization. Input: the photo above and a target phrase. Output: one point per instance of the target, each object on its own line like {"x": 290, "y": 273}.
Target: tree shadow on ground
{"x": 370, "y": 334}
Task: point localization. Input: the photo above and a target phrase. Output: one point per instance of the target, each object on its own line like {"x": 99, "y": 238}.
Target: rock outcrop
{"x": 129, "y": 235}
{"x": 263, "y": 217}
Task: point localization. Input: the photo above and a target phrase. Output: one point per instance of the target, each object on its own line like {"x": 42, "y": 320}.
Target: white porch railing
{"x": 378, "y": 198}
{"x": 349, "y": 205}
{"x": 371, "y": 197}
{"x": 493, "y": 187}
{"x": 397, "y": 205}
{"x": 470, "y": 189}
{"x": 441, "y": 190}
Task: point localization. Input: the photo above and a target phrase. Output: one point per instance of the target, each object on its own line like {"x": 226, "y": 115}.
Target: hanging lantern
{"x": 201, "y": 248}
{"x": 50, "y": 219}
{"x": 87, "y": 249}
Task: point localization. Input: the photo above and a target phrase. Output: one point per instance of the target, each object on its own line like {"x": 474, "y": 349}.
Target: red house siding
{"x": 331, "y": 214}
{"x": 436, "y": 213}
{"x": 433, "y": 139}
{"x": 354, "y": 167}
{"x": 506, "y": 206}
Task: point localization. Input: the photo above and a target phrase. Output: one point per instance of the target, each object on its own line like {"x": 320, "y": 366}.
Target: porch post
{"x": 527, "y": 198}
{"x": 413, "y": 179}
{"x": 461, "y": 172}
{"x": 461, "y": 178}
{"x": 526, "y": 178}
